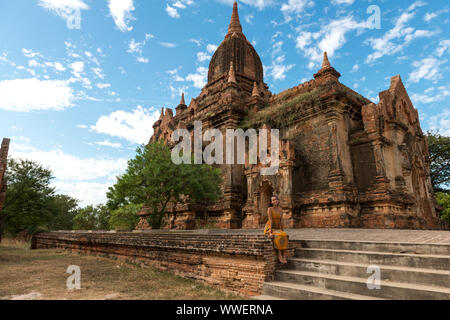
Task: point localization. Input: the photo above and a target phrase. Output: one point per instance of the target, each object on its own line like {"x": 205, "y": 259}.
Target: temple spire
{"x": 231, "y": 74}
{"x": 235, "y": 24}
{"x": 182, "y": 102}
{"x": 327, "y": 72}
{"x": 326, "y": 62}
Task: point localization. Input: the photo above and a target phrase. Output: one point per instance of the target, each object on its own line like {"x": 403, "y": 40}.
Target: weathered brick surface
{"x": 3, "y": 162}
{"x": 236, "y": 262}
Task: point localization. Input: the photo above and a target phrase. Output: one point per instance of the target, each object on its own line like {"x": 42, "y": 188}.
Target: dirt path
{"x": 41, "y": 274}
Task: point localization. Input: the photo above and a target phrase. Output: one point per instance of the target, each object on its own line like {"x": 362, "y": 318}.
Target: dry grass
{"x": 24, "y": 271}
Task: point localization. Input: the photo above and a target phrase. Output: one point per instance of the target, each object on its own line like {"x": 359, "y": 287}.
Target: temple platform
{"x": 323, "y": 263}
{"x": 347, "y": 234}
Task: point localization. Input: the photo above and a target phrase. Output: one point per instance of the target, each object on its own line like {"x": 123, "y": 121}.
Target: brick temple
{"x": 344, "y": 160}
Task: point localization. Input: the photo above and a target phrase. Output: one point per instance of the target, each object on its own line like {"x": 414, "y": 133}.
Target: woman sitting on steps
{"x": 274, "y": 229}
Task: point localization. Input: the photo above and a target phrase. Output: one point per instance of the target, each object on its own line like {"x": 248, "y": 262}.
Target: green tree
{"x": 154, "y": 180}
{"x": 86, "y": 218}
{"x": 439, "y": 148}
{"x": 29, "y": 199}
{"x": 103, "y": 216}
{"x": 443, "y": 200}
{"x": 92, "y": 218}
{"x": 125, "y": 218}
{"x": 64, "y": 210}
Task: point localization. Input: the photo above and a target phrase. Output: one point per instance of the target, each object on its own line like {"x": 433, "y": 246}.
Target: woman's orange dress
{"x": 280, "y": 240}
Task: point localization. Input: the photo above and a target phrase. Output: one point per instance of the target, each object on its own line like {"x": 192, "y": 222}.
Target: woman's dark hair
{"x": 274, "y": 196}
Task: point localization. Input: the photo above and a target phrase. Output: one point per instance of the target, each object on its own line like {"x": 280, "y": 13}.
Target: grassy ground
{"x": 42, "y": 274}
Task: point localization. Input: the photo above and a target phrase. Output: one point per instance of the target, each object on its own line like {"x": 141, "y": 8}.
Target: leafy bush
{"x": 125, "y": 218}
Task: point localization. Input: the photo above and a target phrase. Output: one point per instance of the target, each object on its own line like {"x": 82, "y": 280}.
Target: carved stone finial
{"x": 326, "y": 62}
{"x": 231, "y": 74}
{"x": 182, "y": 102}
{"x": 327, "y": 71}
{"x": 235, "y": 24}
{"x": 255, "y": 92}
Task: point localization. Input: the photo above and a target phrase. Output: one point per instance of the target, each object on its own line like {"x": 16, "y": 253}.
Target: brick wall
{"x": 3, "y": 161}
{"x": 235, "y": 262}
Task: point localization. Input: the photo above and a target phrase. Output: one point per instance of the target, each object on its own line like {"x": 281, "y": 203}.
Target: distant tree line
{"x": 151, "y": 179}
{"x": 32, "y": 205}
{"x": 439, "y": 148}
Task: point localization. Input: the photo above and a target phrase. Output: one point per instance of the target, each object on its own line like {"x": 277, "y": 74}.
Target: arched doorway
{"x": 264, "y": 200}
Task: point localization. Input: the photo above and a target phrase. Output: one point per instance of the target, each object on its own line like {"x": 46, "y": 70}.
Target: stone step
{"x": 439, "y": 262}
{"x": 440, "y": 278}
{"x": 295, "y": 291}
{"x": 355, "y": 285}
{"x": 418, "y": 248}
{"x": 265, "y": 297}
{"x": 431, "y": 277}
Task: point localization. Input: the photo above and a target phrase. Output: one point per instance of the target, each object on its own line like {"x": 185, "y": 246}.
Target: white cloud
{"x": 430, "y": 16}
{"x": 107, "y": 143}
{"x": 202, "y": 56}
{"x": 24, "y": 95}
{"x": 33, "y": 63}
{"x": 249, "y": 18}
{"x": 142, "y": 60}
{"x": 135, "y": 126}
{"x": 416, "y": 4}
{"x": 63, "y": 8}
{"x": 74, "y": 176}
{"x": 136, "y": 48}
{"x": 168, "y": 44}
{"x": 397, "y": 38}
{"x": 330, "y": 38}
{"x": 199, "y": 78}
{"x": 355, "y": 68}
{"x": 260, "y": 4}
{"x": 56, "y": 65}
{"x": 77, "y": 68}
{"x": 172, "y": 12}
{"x": 30, "y": 53}
{"x": 444, "y": 46}
{"x": 431, "y": 95}
{"x": 120, "y": 11}
{"x": 278, "y": 69}
{"x": 427, "y": 68}
{"x": 103, "y": 85}
{"x": 69, "y": 167}
{"x": 211, "y": 48}
{"x": 346, "y": 2}
{"x": 295, "y": 7}
{"x": 196, "y": 41}
{"x": 89, "y": 193}
{"x": 441, "y": 123}
{"x": 98, "y": 73}
{"x": 175, "y": 75}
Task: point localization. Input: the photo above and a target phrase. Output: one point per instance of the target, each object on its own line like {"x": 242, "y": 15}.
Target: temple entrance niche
{"x": 265, "y": 200}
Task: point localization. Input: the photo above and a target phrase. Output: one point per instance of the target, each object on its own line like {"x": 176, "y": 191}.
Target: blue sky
{"x": 80, "y": 100}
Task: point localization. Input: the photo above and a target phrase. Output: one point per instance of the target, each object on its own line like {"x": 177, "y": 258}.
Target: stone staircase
{"x": 332, "y": 269}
